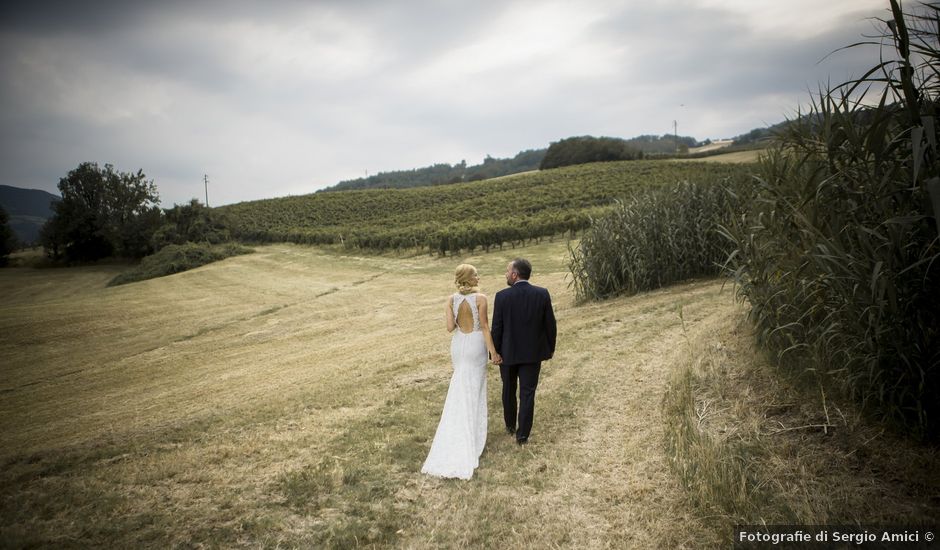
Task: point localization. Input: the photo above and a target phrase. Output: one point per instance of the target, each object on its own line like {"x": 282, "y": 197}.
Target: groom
{"x": 524, "y": 335}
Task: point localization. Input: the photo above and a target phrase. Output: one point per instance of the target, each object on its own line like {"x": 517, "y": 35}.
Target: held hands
{"x": 495, "y": 358}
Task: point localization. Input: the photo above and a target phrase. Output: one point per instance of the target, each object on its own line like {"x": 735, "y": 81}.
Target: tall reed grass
{"x": 838, "y": 253}
{"x": 657, "y": 237}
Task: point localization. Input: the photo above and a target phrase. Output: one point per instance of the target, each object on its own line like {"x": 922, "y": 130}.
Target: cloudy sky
{"x": 280, "y": 97}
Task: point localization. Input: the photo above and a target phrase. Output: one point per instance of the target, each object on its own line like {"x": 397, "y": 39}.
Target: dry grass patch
{"x": 736, "y": 157}
{"x": 288, "y": 398}
{"x": 754, "y": 448}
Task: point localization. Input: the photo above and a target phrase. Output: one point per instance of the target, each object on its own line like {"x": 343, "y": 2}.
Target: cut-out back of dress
{"x": 465, "y": 313}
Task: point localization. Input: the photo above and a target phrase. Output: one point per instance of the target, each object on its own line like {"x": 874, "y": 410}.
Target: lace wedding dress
{"x": 461, "y": 433}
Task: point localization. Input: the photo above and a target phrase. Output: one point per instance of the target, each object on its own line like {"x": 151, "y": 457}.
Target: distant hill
{"x": 526, "y": 161}
{"x": 28, "y": 209}
{"x": 759, "y": 135}
{"x": 443, "y": 174}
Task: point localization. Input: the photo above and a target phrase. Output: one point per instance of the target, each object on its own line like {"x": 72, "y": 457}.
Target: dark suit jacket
{"x": 523, "y": 325}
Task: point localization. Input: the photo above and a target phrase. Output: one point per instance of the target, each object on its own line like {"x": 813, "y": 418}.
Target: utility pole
{"x": 205, "y": 178}
{"x": 675, "y": 132}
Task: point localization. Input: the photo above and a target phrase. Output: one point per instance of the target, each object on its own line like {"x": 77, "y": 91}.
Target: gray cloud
{"x": 294, "y": 96}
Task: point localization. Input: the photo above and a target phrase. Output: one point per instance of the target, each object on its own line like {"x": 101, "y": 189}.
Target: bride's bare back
{"x": 464, "y": 318}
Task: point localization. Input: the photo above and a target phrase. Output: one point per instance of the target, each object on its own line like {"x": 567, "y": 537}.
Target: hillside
{"x": 464, "y": 216}
{"x": 442, "y": 173}
{"x": 28, "y": 209}
{"x": 278, "y": 399}
{"x": 446, "y": 174}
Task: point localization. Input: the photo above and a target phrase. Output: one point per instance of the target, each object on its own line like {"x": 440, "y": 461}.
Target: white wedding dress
{"x": 461, "y": 433}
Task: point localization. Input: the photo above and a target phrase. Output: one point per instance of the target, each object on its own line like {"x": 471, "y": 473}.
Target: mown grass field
{"x": 735, "y": 157}
{"x": 287, "y": 398}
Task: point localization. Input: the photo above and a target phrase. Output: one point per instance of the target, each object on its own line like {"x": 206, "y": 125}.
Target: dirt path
{"x": 594, "y": 474}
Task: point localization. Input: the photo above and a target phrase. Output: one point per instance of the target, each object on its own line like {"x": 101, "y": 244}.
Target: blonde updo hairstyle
{"x": 465, "y": 278}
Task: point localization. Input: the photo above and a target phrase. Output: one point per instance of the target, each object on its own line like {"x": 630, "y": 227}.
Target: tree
{"x": 102, "y": 213}
{"x": 585, "y": 149}
{"x": 193, "y": 222}
{"x": 7, "y": 239}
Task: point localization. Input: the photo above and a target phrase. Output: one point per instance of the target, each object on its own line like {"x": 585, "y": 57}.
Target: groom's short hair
{"x": 522, "y": 267}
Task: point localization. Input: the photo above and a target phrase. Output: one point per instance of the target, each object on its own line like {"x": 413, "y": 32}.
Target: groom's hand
{"x": 497, "y": 360}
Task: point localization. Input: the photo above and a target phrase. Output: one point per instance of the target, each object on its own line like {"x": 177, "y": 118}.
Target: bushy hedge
{"x": 585, "y": 149}
{"x": 193, "y": 222}
{"x": 176, "y": 258}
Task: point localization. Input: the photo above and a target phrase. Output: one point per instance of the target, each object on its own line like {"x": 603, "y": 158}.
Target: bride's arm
{"x": 485, "y": 327}
{"x": 449, "y": 321}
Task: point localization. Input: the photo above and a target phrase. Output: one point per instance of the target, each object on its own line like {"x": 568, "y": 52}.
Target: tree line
{"x": 570, "y": 151}
{"x": 7, "y": 238}
{"x": 442, "y": 173}
{"x": 106, "y": 213}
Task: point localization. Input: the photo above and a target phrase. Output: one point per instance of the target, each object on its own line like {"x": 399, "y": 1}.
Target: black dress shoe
{"x": 522, "y": 441}
{"x": 510, "y": 431}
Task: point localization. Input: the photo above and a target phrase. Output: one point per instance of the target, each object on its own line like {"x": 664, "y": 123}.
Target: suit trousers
{"x": 526, "y": 376}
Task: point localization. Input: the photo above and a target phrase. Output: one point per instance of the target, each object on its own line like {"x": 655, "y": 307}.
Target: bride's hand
{"x": 496, "y": 359}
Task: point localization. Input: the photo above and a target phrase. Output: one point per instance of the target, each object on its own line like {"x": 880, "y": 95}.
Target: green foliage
{"x": 839, "y": 254}
{"x": 461, "y": 216}
{"x": 193, "y": 222}
{"x": 585, "y": 149}
{"x": 442, "y": 173}
{"x": 177, "y": 258}
{"x": 760, "y": 135}
{"x": 657, "y": 237}
{"x": 102, "y": 213}
{"x": 666, "y": 144}
{"x": 7, "y": 239}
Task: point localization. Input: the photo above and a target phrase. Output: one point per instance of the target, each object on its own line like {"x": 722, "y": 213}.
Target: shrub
{"x": 193, "y": 222}
{"x": 7, "y": 238}
{"x": 176, "y": 258}
{"x": 585, "y": 149}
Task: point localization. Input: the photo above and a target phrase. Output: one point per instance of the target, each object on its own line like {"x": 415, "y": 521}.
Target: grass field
{"x": 287, "y": 398}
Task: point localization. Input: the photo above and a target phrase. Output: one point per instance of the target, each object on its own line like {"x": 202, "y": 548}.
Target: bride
{"x": 461, "y": 433}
